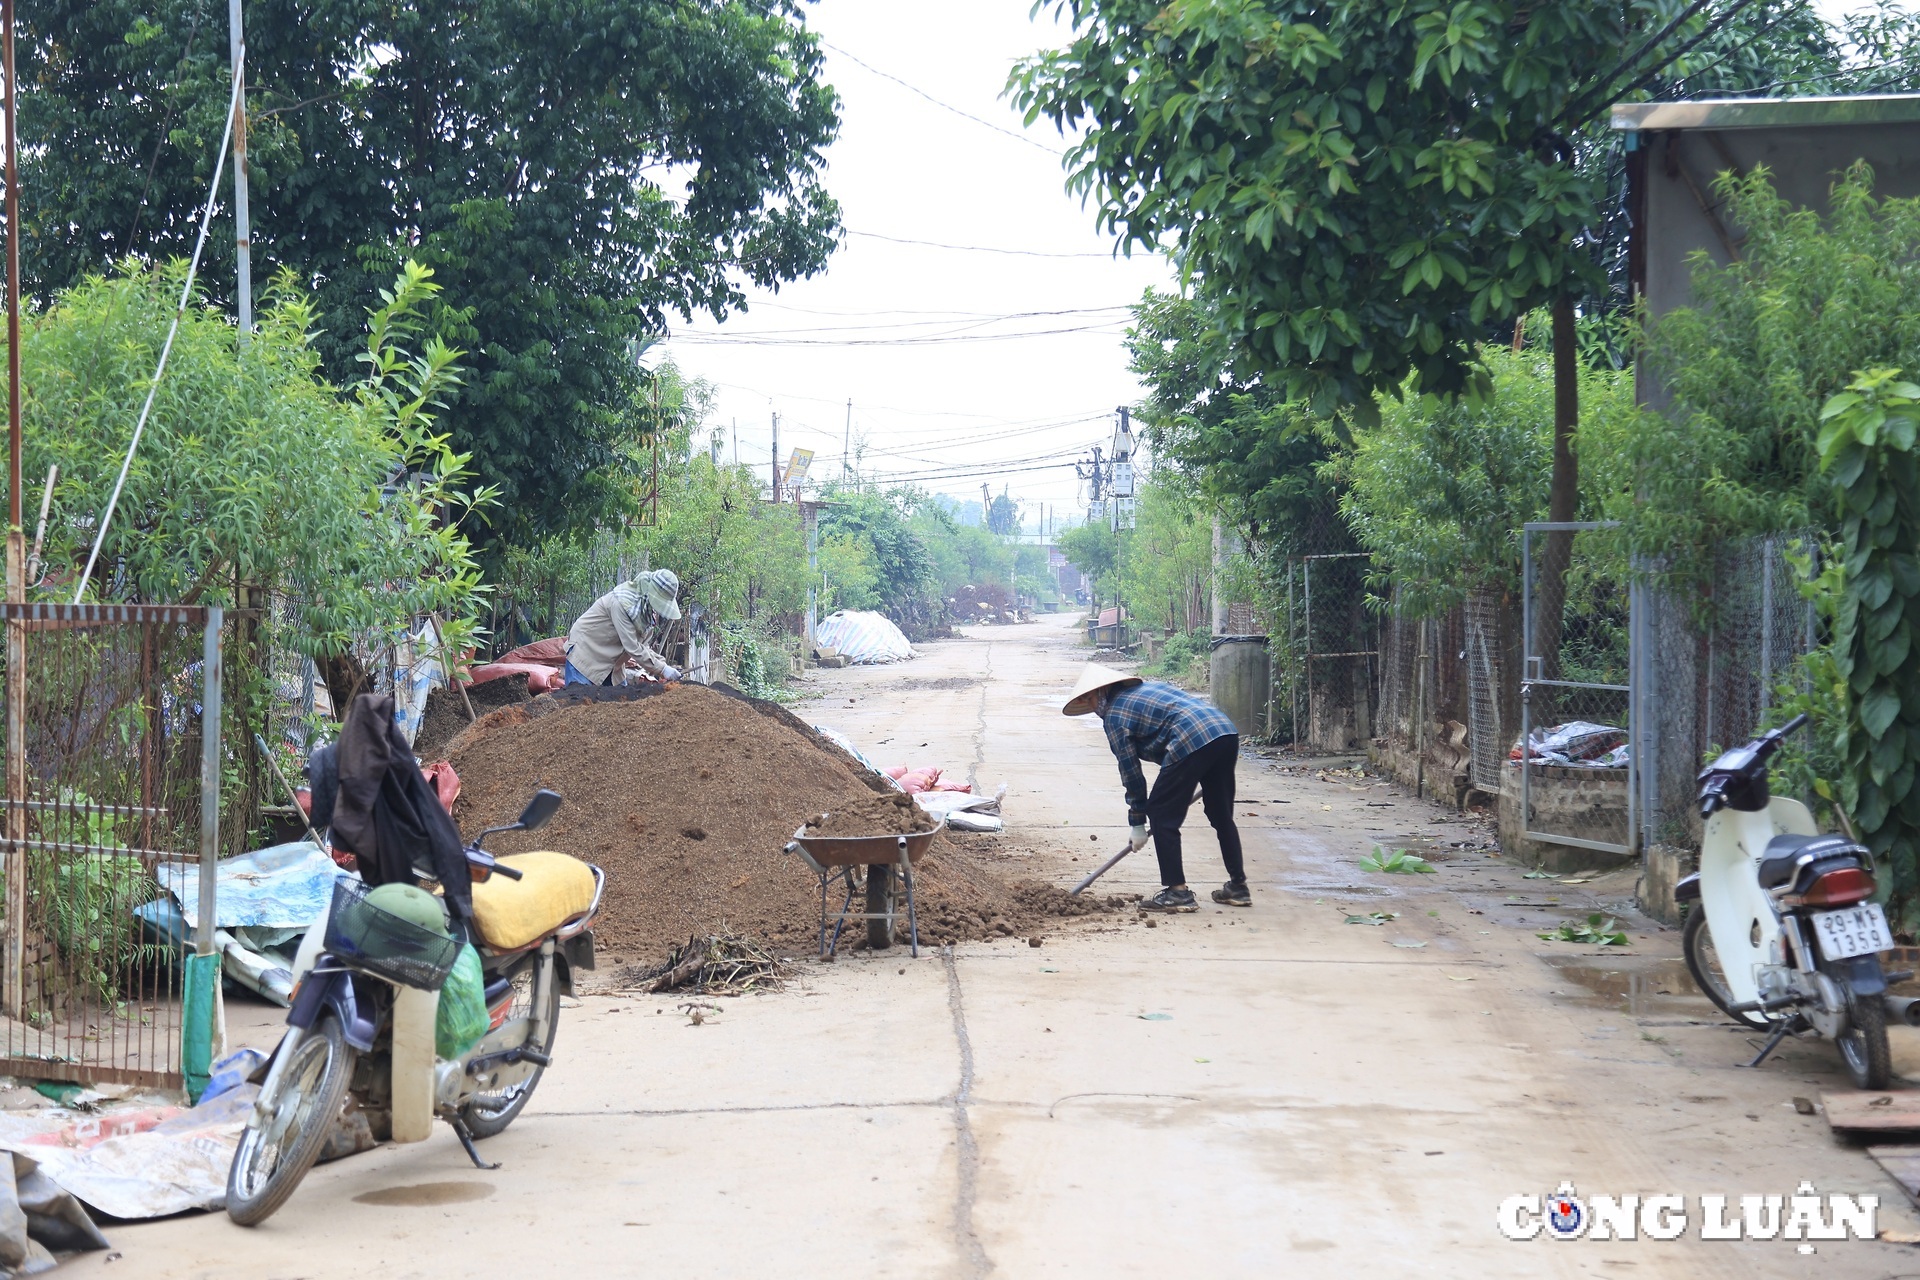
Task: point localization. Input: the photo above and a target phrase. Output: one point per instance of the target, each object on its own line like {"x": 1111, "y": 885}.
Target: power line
{"x": 944, "y": 106}
{"x": 965, "y": 321}
{"x": 973, "y": 248}
{"x": 722, "y": 340}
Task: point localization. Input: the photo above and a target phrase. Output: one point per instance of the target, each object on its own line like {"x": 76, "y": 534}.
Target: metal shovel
{"x": 1102, "y": 869}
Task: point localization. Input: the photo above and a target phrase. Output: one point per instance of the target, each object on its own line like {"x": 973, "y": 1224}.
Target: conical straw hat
{"x": 1092, "y": 680}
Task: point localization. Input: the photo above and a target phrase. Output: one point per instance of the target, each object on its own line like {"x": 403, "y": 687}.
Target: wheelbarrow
{"x": 839, "y": 858}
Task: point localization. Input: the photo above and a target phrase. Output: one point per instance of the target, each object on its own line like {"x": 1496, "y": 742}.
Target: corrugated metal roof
{"x": 1769, "y": 113}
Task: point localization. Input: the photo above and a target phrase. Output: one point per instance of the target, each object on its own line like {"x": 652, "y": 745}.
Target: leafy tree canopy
{"x": 1361, "y": 190}
{"x": 1812, "y": 300}
{"x": 574, "y": 173}
{"x": 252, "y": 470}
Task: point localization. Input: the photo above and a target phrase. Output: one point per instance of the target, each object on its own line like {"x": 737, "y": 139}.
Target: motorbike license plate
{"x": 1856, "y": 931}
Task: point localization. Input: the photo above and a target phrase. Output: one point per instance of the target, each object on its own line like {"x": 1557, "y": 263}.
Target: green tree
{"x": 905, "y": 585}
{"x": 1438, "y": 491}
{"x": 1166, "y": 560}
{"x": 1357, "y": 190}
{"x": 520, "y": 148}
{"x": 1867, "y": 451}
{"x": 1094, "y": 549}
{"x": 1773, "y": 337}
{"x": 253, "y": 470}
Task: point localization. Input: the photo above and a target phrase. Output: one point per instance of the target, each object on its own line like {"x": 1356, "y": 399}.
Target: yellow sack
{"x": 512, "y": 913}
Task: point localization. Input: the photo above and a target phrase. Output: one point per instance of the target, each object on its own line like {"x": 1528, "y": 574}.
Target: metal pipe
{"x": 210, "y": 678}
{"x": 13, "y": 275}
{"x": 242, "y": 222}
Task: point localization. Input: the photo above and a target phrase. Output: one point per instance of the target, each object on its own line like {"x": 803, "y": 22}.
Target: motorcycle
{"x": 362, "y": 1020}
{"x": 1785, "y": 938}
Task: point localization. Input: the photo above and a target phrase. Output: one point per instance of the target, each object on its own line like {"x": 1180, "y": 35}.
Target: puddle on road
{"x": 423, "y": 1193}
{"x": 1636, "y": 987}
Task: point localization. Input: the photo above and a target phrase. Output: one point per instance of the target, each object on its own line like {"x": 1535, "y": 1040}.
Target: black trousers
{"x": 1211, "y": 767}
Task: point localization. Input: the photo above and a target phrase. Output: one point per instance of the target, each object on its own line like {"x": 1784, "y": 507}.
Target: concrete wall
{"x": 1572, "y": 800}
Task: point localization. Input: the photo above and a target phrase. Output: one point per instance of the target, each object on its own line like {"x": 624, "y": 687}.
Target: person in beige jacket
{"x": 622, "y": 624}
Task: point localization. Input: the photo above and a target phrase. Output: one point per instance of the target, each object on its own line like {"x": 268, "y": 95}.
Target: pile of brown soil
{"x": 873, "y": 815}
{"x": 686, "y": 796}
{"x": 447, "y": 711}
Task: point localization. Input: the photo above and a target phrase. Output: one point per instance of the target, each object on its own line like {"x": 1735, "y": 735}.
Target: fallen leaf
{"x": 737, "y": 883}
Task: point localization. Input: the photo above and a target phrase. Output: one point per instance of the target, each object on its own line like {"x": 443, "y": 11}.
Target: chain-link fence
{"x": 1709, "y": 668}
{"x": 1327, "y": 664}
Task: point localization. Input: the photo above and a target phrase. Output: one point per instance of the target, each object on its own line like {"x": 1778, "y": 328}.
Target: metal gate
{"x": 1584, "y": 796}
{"x": 1332, "y": 650}
{"x": 112, "y": 804}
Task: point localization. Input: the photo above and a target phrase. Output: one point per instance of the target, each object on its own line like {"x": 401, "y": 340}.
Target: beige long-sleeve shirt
{"x": 620, "y": 624}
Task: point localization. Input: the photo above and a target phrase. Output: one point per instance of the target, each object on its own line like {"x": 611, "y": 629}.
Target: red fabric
{"x": 551, "y": 653}
{"x": 540, "y": 677}
{"x": 444, "y": 781}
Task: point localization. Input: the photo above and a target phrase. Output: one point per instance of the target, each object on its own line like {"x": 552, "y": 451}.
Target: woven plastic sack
{"x": 462, "y": 1019}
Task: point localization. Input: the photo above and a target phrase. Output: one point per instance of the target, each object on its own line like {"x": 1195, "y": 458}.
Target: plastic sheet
{"x": 284, "y": 886}
{"x": 863, "y": 638}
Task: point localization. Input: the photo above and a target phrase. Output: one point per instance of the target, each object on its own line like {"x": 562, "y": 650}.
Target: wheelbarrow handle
{"x": 1100, "y": 870}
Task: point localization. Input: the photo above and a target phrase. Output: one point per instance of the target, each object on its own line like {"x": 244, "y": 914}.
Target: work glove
{"x": 1139, "y": 838}
{"x": 670, "y": 672}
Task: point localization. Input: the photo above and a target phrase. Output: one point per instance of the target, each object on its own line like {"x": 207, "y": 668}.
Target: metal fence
{"x": 1710, "y": 669}
{"x": 1577, "y": 706}
{"x": 113, "y": 788}
{"x": 1328, "y": 661}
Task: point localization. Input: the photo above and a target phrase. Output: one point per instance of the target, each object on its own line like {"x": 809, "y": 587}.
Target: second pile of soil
{"x": 687, "y": 798}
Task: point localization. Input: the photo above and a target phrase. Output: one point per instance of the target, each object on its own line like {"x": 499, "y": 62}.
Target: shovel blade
{"x": 1099, "y": 871}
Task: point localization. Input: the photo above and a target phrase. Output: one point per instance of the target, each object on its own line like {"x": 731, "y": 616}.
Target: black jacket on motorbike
{"x": 381, "y": 808}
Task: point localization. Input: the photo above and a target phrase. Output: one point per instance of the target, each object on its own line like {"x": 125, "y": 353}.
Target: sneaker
{"x": 1171, "y": 900}
{"x": 1233, "y": 895}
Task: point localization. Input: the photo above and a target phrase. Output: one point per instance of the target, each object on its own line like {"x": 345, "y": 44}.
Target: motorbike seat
{"x": 1783, "y": 854}
{"x": 553, "y": 888}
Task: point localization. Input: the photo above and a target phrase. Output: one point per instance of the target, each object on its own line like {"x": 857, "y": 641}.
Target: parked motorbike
{"x": 1785, "y": 938}
{"x": 363, "y": 1017}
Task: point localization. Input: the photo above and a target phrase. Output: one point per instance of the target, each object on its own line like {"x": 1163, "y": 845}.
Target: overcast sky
{"x": 963, "y": 366}
{"x": 879, "y": 325}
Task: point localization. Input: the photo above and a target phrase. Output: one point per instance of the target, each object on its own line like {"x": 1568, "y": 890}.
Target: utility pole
{"x": 846, "y": 441}
{"x": 776, "y": 458}
{"x": 736, "y": 442}
{"x": 16, "y": 813}
{"x": 242, "y": 222}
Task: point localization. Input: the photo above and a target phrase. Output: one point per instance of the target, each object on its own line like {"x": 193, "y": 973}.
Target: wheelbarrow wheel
{"x": 880, "y": 903}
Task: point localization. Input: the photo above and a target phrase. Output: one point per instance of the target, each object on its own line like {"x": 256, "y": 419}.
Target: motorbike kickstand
{"x": 1773, "y": 1041}
{"x": 466, "y": 1140}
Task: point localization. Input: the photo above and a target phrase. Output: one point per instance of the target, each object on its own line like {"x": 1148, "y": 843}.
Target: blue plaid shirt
{"x": 1155, "y": 721}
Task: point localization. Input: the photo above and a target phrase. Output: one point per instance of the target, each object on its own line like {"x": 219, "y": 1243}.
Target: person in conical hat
{"x": 1195, "y": 744}
{"x": 627, "y": 622}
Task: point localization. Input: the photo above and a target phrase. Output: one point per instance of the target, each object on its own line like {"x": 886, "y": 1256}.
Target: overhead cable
{"x": 944, "y": 106}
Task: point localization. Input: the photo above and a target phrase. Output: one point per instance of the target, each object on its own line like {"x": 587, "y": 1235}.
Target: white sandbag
{"x": 864, "y": 638}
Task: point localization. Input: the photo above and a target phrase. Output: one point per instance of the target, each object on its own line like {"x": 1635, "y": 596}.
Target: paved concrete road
{"x": 1245, "y": 1093}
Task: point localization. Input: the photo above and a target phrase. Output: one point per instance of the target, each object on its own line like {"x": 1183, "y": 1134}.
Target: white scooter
{"x": 1785, "y": 939}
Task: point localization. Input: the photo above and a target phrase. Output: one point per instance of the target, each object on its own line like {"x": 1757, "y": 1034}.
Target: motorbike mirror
{"x": 538, "y": 810}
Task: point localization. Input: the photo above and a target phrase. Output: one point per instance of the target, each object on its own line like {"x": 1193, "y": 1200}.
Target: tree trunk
{"x": 345, "y": 678}
{"x": 1563, "y": 499}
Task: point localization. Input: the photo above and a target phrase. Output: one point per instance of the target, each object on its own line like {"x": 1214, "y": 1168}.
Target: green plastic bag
{"x": 462, "y": 1019}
